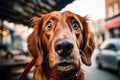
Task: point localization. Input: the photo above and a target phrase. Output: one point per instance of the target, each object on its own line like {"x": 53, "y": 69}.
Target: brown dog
{"x": 58, "y": 43}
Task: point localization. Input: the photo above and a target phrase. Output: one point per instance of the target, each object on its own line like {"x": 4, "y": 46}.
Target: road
{"x": 92, "y": 73}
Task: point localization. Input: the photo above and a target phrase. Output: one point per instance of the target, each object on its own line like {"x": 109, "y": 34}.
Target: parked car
{"x": 108, "y": 55}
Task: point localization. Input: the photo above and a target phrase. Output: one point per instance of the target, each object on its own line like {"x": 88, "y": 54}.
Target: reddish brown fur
{"x": 83, "y": 41}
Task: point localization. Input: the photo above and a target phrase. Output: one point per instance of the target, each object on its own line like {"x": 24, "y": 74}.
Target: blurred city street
{"x": 59, "y": 35}
{"x": 93, "y": 73}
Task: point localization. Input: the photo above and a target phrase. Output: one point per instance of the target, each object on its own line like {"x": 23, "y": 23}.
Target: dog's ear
{"x": 88, "y": 43}
{"x": 34, "y": 39}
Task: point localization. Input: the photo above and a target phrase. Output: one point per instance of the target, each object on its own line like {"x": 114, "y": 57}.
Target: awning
{"x": 113, "y": 25}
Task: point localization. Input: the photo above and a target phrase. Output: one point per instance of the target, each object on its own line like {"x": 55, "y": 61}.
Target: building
{"x": 112, "y": 20}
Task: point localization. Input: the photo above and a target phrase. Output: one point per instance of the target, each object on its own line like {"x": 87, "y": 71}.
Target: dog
{"x": 59, "y": 42}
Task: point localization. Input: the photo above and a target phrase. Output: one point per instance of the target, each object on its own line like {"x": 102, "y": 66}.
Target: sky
{"x": 93, "y": 8}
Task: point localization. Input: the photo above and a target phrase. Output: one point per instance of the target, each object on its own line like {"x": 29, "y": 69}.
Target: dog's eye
{"x": 75, "y": 26}
{"x": 49, "y": 26}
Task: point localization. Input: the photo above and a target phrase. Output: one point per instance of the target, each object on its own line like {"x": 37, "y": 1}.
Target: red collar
{"x": 50, "y": 73}
{"x": 57, "y": 77}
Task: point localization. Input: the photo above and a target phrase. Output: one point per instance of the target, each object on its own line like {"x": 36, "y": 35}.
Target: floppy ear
{"x": 88, "y": 43}
{"x": 34, "y": 39}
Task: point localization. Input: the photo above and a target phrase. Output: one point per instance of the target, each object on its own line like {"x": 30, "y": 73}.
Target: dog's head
{"x": 60, "y": 41}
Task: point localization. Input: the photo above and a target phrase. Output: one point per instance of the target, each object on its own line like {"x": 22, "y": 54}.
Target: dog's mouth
{"x": 64, "y": 66}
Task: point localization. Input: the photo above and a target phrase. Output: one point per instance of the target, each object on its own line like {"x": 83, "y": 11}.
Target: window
{"x": 115, "y": 7}
{"x": 107, "y": 46}
{"x": 110, "y": 47}
{"x": 110, "y": 11}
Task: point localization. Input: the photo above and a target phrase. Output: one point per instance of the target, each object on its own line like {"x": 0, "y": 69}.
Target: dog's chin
{"x": 65, "y": 68}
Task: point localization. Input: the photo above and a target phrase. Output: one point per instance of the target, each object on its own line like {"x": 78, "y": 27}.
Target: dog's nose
{"x": 64, "y": 47}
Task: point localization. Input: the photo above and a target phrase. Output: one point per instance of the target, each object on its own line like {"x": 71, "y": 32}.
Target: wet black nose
{"x": 64, "y": 47}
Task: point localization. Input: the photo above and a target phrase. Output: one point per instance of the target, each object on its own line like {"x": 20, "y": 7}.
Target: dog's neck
{"x": 54, "y": 76}
{"x": 68, "y": 77}
{"x": 45, "y": 74}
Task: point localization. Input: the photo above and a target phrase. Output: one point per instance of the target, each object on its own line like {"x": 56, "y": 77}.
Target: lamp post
{"x": 1, "y": 29}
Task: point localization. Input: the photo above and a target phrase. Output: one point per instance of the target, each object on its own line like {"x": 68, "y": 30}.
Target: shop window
{"x": 117, "y": 32}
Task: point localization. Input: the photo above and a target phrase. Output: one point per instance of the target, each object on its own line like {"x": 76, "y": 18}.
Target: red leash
{"x": 27, "y": 69}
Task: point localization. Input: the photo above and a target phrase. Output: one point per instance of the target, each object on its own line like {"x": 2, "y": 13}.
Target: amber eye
{"x": 49, "y": 26}
{"x": 75, "y": 26}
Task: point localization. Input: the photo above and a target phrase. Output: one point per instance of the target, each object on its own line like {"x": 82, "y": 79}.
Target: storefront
{"x": 114, "y": 29}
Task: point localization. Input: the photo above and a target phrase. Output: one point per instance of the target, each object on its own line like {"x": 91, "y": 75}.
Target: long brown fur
{"x": 41, "y": 37}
